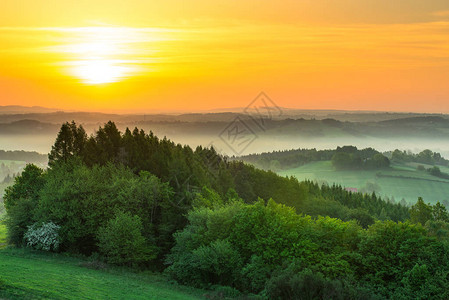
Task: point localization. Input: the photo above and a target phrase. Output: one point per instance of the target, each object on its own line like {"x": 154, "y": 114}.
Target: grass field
{"x": 400, "y": 181}
{"x": 2, "y": 235}
{"x": 26, "y": 274}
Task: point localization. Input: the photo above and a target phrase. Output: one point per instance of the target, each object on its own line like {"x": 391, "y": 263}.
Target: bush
{"x": 255, "y": 274}
{"x": 222, "y": 292}
{"x": 122, "y": 243}
{"x": 289, "y": 283}
{"x": 217, "y": 263}
{"x": 43, "y": 237}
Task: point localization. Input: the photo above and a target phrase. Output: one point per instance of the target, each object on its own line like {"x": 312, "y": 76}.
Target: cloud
{"x": 443, "y": 13}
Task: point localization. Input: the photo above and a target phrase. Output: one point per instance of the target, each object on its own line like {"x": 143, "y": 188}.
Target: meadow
{"x": 400, "y": 181}
{"x": 2, "y": 235}
{"x": 27, "y": 274}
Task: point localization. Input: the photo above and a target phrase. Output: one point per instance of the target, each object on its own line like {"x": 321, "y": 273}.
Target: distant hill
{"x": 441, "y": 120}
{"x": 383, "y": 131}
{"x": 28, "y": 127}
{"x": 17, "y": 109}
{"x": 15, "y": 113}
{"x": 26, "y": 156}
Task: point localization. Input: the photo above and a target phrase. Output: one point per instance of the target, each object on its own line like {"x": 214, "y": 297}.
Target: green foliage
{"x": 203, "y": 174}
{"x": 439, "y": 213}
{"x": 20, "y": 202}
{"x": 353, "y": 161}
{"x": 331, "y": 258}
{"x": 438, "y": 229}
{"x": 362, "y": 217}
{"x": 294, "y": 283}
{"x": 390, "y": 252}
{"x": 121, "y": 241}
{"x": 19, "y": 217}
{"x": 70, "y": 142}
{"x": 420, "y": 212}
{"x": 435, "y": 171}
{"x": 424, "y": 157}
{"x": 82, "y": 199}
{"x": 216, "y": 263}
{"x": 372, "y": 204}
{"x": 43, "y": 236}
{"x": 257, "y": 238}
{"x": 345, "y": 161}
{"x": 346, "y": 157}
{"x": 207, "y": 198}
{"x": 26, "y": 186}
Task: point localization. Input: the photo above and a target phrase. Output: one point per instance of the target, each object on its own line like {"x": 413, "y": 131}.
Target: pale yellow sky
{"x": 192, "y": 55}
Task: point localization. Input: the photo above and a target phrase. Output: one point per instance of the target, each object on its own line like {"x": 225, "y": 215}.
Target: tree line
{"x": 343, "y": 158}
{"x": 424, "y": 157}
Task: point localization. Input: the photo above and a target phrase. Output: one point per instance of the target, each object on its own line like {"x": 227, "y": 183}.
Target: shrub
{"x": 217, "y": 263}
{"x": 122, "y": 243}
{"x": 290, "y": 283}
{"x": 43, "y": 236}
{"x": 255, "y": 274}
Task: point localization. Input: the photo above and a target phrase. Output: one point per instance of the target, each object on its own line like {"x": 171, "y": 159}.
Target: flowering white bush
{"x": 43, "y": 237}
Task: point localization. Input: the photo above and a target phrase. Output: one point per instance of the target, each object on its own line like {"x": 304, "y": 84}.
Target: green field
{"x": 2, "y": 235}
{"x": 400, "y": 181}
{"x": 26, "y": 274}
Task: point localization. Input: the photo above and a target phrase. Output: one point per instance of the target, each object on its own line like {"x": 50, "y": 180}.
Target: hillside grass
{"x": 2, "y": 235}
{"x": 399, "y": 181}
{"x": 27, "y": 274}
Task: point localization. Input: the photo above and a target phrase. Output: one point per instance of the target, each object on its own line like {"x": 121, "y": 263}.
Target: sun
{"x": 99, "y": 71}
{"x": 100, "y": 56}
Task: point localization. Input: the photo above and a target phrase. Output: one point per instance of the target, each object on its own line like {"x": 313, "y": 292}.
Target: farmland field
{"x": 26, "y": 274}
{"x": 400, "y": 181}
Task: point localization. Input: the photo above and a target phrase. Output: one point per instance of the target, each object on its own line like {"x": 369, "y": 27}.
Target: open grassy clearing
{"x": 26, "y": 274}
{"x": 400, "y": 181}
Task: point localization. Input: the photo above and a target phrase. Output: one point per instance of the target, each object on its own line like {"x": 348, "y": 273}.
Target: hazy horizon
{"x": 23, "y": 109}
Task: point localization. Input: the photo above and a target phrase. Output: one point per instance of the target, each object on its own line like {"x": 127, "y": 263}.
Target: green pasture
{"x": 26, "y": 274}
{"x": 400, "y": 181}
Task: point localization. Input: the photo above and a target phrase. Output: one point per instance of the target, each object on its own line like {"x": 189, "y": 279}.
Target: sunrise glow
{"x": 204, "y": 55}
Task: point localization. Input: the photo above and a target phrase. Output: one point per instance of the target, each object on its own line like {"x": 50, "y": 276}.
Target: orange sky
{"x": 196, "y": 55}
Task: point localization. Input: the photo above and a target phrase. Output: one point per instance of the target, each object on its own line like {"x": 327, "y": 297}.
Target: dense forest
{"x": 131, "y": 198}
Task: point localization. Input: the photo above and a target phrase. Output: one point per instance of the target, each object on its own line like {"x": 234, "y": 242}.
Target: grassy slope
{"x": 2, "y": 235}
{"x": 26, "y": 274}
{"x": 422, "y": 185}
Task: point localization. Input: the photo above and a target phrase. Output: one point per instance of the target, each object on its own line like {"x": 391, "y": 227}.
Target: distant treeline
{"x": 343, "y": 158}
{"x": 26, "y": 156}
{"x": 424, "y": 157}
